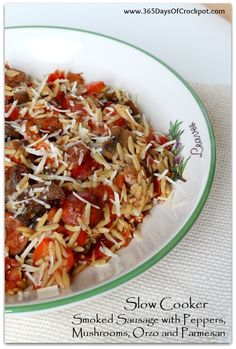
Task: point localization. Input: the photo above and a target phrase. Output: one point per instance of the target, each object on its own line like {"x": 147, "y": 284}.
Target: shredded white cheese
{"x": 145, "y": 150}
{"x": 31, "y": 278}
{"x": 29, "y": 248}
{"x": 35, "y": 178}
{"x": 41, "y": 164}
{"x": 81, "y": 157}
{"x": 38, "y": 141}
{"x": 162, "y": 175}
{"x": 41, "y": 202}
{"x": 34, "y": 151}
{"x": 116, "y": 203}
{"x": 85, "y": 201}
{"x": 161, "y": 147}
{"x": 105, "y": 250}
{"x": 37, "y": 93}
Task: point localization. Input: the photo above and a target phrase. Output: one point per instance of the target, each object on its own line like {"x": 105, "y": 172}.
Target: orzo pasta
{"x": 83, "y": 169}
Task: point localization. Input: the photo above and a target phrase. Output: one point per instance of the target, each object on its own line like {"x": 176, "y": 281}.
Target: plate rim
{"x": 9, "y": 309}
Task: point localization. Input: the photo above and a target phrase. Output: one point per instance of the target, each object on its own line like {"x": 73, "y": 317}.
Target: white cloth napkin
{"x": 199, "y": 266}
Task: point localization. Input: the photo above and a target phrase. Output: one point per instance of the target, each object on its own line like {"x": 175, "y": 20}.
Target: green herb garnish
{"x": 175, "y": 133}
{"x": 179, "y": 169}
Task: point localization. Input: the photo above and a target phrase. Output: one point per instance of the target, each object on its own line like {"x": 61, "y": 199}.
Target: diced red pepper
{"x": 62, "y": 230}
{"x": 42, "y": 250}
{"x": 103, "y": 189}
{"x": 9, "y": 285}
{"x": 73, "y": 208}
{"x": 82, "y": 238}
{"x": 51, "y": 213}
{"x": 101, "y": 241}
{"x": 8, "y": 99}
{"x": 59, "y": 97}
{"x": 56, "y": 75}
{"x": 119, "y": 122}
{"x": 119, "y": 181}
{"x": 157, "y": 186}
{"x": 65, "y": 103}
{"x": 50, "y": 123}
{"x": 97, "y": 252}
{"x": 13, "y": 275}
{"x": 49, "y": 161}
{"x": 151, "y": 137}
{"x": 163, "y": 140}
{"x": 78, "y": 108}
{"x": 95, "y": 249}
{"x": 95, "y": 87}
{"x": 14, "y": 159}
{"x": 112, "y": 220}
{"x": 88, "y": 164}
{"x": 84, "y": 170}
{"x": 14, "y": 114}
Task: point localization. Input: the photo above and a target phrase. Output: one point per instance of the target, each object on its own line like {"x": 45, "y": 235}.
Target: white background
{"x": 198, "y": 47}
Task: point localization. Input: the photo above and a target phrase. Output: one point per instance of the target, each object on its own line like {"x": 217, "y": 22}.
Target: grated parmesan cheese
{"x": 161, "y": 147}
{"x": 85, "y": 201}
{"x": 37, "y": 93}
{"x": 81, "y": 157}
{"x": 41, "y": 202}
{"x": 105, "y": 250}
{"x": 40, "y": 166}
{"x": 31, "y": 278}
{"x": 116, "y": 203}
{"x": 145, "y": 150}
{"x": 29, "y": 248}
{"x": 162, "y": 175}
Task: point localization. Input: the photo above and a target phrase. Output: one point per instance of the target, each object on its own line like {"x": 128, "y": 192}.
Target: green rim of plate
{"x": 166, "y": 249}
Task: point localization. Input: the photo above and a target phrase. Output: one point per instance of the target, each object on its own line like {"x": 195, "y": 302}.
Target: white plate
{"x": 163, "y": 96}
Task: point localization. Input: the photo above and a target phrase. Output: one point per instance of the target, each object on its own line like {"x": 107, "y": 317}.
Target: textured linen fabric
{"x": 199, "y": 266}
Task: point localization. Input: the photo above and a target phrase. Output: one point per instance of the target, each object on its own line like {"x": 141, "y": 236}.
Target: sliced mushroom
{"x": 14, "y": 77}
{"x": 12, "y": 132}
{"x": 118, "y": 135}
{"x": 32, "y": 212}
{"x": 132, "y": 106}
{"x": 21, "y": 97}
{"x": 13, "y": 177}
{"x": 111, "y": 96}
{"x": 52, "y": 194}
{"x": 49, "y": 193}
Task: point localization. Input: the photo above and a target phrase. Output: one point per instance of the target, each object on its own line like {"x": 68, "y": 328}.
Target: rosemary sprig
{"x": 179, "y": 169}
{"x": 177, "y": 149}
{"x": 175, "y": 133}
